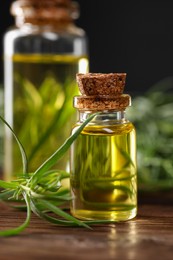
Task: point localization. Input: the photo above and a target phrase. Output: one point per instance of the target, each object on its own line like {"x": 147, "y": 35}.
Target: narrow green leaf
{"x": 45, "y": 216}
{"x": 22, "y": 150}
{"x": 71, "y": 223}
{"x": 127, "y": 156}
{"x": 47, "y": 132}
{"x": 59, "y": 173}
{"x": 63, "y": 191}
{"x": 6, "y": 194}
{"x": 104, "y": 180}
{"x": 60, "y": 152}
{"x": 16, "y": 231}
{"x": 63, "y": 214}
{"x": 8, "y": 185}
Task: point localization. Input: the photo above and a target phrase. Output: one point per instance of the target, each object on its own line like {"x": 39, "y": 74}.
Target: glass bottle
{"x": 103, "y": 157}
{"x": 42, "y": 54}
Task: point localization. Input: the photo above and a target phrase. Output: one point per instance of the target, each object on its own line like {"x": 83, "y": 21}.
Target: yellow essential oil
{"x": 41, "y": 112}
{"x": 103, "y": 157}
{"x": 103, "y": 172}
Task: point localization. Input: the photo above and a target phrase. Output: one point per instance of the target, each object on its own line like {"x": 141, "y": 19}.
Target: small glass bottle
{"x": 103, "y": 157}
{"x": 42, "y": 55}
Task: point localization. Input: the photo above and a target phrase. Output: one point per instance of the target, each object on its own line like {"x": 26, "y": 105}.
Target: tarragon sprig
{"x": 42, "y": 191}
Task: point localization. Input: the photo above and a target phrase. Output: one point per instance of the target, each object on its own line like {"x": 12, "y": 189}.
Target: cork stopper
{"x": 101, "y": 92}
{"x": 101, "y": 84}
{"x": 102, "y": 103}
{"x": 44, "y": 11}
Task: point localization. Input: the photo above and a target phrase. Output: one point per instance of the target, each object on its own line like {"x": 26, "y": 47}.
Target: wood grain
{"x": 150, "y": 234}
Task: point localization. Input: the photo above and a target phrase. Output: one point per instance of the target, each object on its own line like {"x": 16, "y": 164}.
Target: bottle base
{"x": 104, "y": 215}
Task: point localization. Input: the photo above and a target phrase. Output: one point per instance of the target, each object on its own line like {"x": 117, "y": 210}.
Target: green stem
{"x": 16, "y": 231}
{"x": 59, "y": 153}
{"x": 22, "y": 150}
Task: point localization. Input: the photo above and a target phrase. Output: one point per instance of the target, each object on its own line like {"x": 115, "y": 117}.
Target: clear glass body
{"x": 41, "y": 62}
{"x": 103, "y": 168}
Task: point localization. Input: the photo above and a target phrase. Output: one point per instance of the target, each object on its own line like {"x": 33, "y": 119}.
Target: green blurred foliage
{"x": 152, "y": 115}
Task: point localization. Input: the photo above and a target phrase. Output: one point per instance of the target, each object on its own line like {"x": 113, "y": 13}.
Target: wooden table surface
{"x": 149, "y": 235}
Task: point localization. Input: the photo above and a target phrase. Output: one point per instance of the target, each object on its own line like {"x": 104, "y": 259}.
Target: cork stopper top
{"x": 44, "y": 2}
{"x": 101, "y": 84}
{"x": 101, "y": 91}
{"x": 44, "y": 11}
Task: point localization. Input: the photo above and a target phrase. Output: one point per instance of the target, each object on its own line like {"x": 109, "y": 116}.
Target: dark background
{"x": 124, "y": 36}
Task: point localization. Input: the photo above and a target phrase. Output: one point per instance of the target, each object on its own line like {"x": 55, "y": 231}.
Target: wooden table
{"x": 148, "y": 236}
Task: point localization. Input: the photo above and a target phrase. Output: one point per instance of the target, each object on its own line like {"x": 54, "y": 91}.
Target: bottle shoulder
{"x": 107, "y": 129}
{"x": 46, "y": 40}
{"x": 33, "y": 30}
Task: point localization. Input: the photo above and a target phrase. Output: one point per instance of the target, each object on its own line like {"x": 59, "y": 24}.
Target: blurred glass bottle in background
{"x": 1, "y": 130}
{"x": 42, "y": 55}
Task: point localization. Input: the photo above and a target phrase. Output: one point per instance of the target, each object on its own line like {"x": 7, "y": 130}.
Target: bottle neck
{"x": 56, "y": 13}
{"x": 103, "y": 117}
